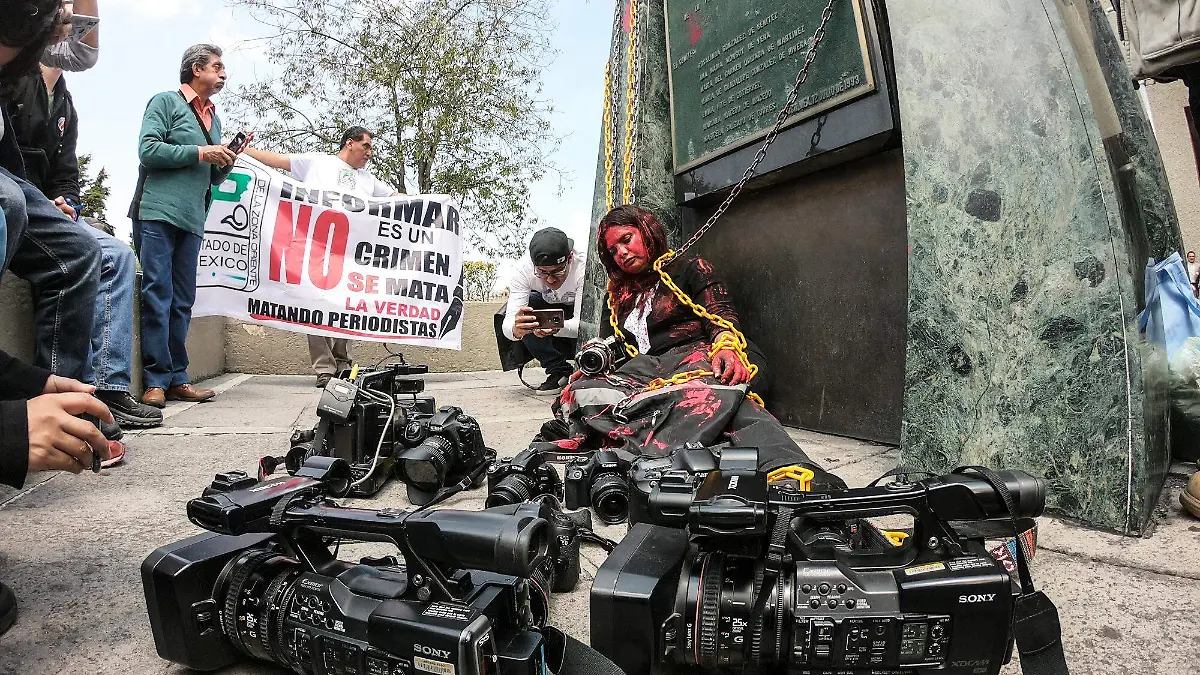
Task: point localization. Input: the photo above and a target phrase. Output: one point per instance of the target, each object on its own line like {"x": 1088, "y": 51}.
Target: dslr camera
{"x": 601, "y": 356}
{"x": 524, "y": 477}
{"x": 365, "y": 422}
{"x": 262, "y": 582}
{"x": 601, "y": 482}
{"x": 770, "y": 579}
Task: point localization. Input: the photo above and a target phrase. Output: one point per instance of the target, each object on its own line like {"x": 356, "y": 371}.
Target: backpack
{"x": 1162, "y": 34}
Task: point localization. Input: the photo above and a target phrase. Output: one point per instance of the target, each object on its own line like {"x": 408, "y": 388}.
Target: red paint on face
{"x": 628, "y": 248}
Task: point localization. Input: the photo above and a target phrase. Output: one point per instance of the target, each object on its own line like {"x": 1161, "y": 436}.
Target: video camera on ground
{"x": 263, "y": 583}
{"x": 770, "y": 578}
{"x": 382, "y": 425}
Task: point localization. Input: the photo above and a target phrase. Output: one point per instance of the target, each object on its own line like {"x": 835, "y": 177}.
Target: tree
{"x": 479, "y": 278}
{"x": 93, "y": 193}
{"x": 448, "y": 87}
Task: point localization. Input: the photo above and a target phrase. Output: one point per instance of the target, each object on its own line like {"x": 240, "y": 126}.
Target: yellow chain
{"x": 630, "y": 113}
{"x": 793, "y": 472}
{"x": 609, "y": 189}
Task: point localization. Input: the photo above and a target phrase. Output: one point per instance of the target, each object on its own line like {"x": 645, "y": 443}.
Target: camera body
{"x": 263, "y": 583}
{"x": 524, "y": 477}
{"x": 676, "y": 473}
{"x": 601, "y": 356}
{"x": 444, "y": 448}
{"x": 601, "y": 482}
{"x": 768, "y": 577}
{"x": 364, "y": 422}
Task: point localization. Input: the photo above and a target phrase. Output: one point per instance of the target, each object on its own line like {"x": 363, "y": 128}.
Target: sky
{"x": 141, "y": 42}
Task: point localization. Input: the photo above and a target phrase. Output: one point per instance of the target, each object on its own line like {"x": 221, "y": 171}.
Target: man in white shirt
{"x": 345, "y": 173}
{"x": 550, "y": 278}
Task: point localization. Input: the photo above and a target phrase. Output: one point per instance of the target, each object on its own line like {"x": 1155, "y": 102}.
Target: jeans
{"x": 169, "y": 258}
{"x": 329, "y": 355}
{"x": 63, "y": 264}
{"x": 111, "y": 365}
{"x": 551, "y": 351}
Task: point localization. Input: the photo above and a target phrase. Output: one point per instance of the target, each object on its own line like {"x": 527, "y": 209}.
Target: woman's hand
{"x": 728, "y": 368}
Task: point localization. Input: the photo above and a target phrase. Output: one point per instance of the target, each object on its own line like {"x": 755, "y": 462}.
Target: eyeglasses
{"x": 552, "y": 274}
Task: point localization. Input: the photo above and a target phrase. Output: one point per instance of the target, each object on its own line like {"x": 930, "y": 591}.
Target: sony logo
{"x": 969, "y": 664}
{"x": 430, "y": 651}
{"x": 733, "y": 480}
{"x": 983, "y": 597}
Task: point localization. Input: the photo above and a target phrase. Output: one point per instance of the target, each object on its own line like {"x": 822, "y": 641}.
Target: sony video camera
{"x": 263, "y": 583}
{"x": 601, "y": 356}
{"x": 365, "y": 422}
{"x": 775, "y": 580}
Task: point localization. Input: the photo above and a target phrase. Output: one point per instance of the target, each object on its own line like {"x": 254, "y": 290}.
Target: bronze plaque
{"x": 733, "y": 64}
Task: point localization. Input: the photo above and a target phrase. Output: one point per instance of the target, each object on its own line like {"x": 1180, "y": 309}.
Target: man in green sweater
{"x": 181, "y": 159}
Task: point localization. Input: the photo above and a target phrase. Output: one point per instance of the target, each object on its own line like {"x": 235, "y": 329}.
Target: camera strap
{"x": 1035, "y": 618}
{"x": 567, "y": 656}
{"x": 772, "y": 566}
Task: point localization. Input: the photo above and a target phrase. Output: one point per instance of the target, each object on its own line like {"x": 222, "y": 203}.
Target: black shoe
{"x": 552, "y": 386}
{"x": 112, "y": 432}
{"x": 323, "y": 379}
{"x": 128, "y": 411}
{"x": 8, "y": 609}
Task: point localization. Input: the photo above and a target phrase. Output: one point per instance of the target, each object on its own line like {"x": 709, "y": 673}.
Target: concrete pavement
{"x": 71, "y": 546}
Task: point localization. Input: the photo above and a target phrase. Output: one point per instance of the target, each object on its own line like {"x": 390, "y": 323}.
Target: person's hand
{"x": 526, "y": 323}
{"x": 58, "y": 440}
{"x": 57, "y": 384}
{"x": 66, "y": 208}
{"x": 63, "y": 30}
{"x": 249, "y": 137}
{"x": 728, "y": 368}
{"x": 217, "y": 154}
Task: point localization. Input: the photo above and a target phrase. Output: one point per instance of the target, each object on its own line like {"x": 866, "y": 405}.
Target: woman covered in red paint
{"x": 656, "y": 402}
{"x": 650, "y": 315}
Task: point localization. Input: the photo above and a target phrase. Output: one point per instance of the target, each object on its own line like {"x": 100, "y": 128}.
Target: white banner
{"x": 285, "y": 254}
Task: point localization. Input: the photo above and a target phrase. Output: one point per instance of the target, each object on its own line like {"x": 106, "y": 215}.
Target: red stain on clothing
{"x": 700, "y": 400}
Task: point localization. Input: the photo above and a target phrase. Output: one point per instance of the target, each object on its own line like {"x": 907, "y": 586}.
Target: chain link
{"x": 632, "y": 80}
{"x": 801, "y": 78}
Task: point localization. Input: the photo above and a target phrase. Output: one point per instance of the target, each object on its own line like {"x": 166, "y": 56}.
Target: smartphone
{"x": 81, "y": 25}
{"x": 235, "y": 146}
{"x": 549, "y": 318}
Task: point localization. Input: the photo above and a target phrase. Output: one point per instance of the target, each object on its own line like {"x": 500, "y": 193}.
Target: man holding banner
{"x": 344, "y": 172}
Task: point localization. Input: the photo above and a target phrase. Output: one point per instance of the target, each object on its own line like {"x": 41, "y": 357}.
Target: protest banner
{"x": 281, "y": 253}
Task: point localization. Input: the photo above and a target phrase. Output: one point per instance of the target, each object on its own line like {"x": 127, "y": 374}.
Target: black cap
{"x": 549, "y": 246}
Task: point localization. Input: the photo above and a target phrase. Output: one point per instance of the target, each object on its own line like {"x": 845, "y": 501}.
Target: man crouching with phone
{"x": 544, "y": 297}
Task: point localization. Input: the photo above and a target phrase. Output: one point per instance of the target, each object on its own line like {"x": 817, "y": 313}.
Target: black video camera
{"x": 264, "y": 584}
{"x": 366, "y": 422}
{"x": 776, "y": 580}
{"x": 601, "y": 356}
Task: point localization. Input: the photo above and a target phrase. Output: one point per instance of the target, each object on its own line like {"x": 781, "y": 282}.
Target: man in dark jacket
{"x": 42, "y": 432}
{"x": 46, "y": 126}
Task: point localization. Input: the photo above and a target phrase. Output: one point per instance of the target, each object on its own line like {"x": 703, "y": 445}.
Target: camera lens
{"x": 610, "y": 498}
{"x": 424, "y": 467}
{"x": 512, "y": 489}
{"x": 592, "y": 361}
{"x": 254, "y": 592}
{"x": 716, "y": 601}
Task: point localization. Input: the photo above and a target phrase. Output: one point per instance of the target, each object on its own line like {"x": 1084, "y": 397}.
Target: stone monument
{"x": 944, "y": 248}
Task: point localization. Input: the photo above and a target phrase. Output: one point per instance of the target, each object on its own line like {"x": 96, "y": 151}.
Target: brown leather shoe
{"x": 1190, "y": 498}
{"x": 156, "y": 397}
{"x": 186, "y": 392}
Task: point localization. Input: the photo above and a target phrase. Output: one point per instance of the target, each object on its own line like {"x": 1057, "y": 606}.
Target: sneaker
{"x": 129, "y": 412}
{"x": 1190, "y": 497}
{"x": 323, "y": 379}
{"x": 552, "y": 386}
{"x": 8, "y": 609}
{"x": 112, "y": 432}
{"x": 116, "y": 454}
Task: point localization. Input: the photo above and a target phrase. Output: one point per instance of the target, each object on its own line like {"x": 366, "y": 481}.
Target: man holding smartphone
{"x": 551, "y": 278}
